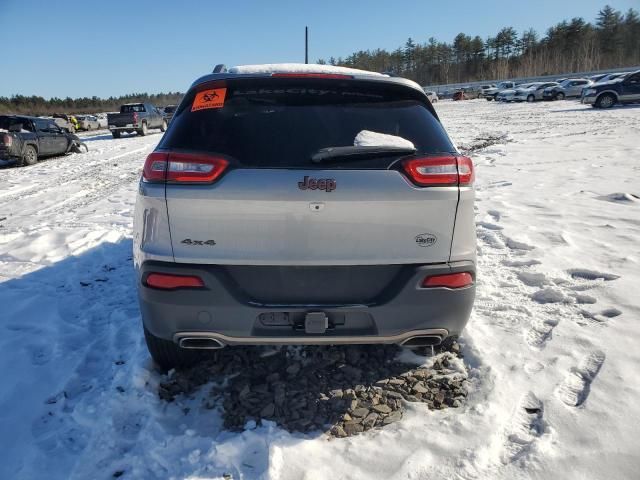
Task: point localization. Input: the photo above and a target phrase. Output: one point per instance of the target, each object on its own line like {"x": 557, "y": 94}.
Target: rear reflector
{"x": 167, "y": 281}
{"x": 183, "y": 168}
{"x": 311, "y": 75}
{"x": 439, "y": 171}
{"x": 449, "y": 280}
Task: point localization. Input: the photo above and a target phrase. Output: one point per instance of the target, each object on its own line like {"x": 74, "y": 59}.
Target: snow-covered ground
{"x": 551, "y": 347}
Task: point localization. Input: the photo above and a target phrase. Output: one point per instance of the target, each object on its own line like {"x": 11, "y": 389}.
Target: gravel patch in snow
{"x": 342, "y": 390}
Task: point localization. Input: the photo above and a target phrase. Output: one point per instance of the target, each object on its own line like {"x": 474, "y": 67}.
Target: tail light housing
{"x": 172, "y": 167}
{"x": 7, "y": 139}
{"x": 166, "y": 281}
{"x": 448, "y": 280}
{"x": 135, "y": 117}
{"x": 440, "y": 171}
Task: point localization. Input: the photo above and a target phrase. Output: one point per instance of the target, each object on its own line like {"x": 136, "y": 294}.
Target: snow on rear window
{"x": 299, "y": 68}
{"x": 367, "y": 138}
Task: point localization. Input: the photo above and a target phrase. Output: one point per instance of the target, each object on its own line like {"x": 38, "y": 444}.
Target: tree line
{"x": 575, "y": 45}
{"x": 35, "y": 105}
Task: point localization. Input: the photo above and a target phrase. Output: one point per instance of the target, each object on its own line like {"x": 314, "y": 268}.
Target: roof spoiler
{"x": 220, "y": 68}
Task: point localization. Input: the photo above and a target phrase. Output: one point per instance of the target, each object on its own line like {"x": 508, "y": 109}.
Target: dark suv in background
{"x": 303, "y": 205}
{"x": 625, "y": 89}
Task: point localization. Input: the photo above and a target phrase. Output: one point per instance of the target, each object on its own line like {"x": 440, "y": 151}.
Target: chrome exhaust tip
{"x": 200, "y": 343}
{"x": 422, "y": 341}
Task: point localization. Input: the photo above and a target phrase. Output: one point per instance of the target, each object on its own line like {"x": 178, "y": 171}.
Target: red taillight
{"x": 439, "y": 171}
{"x": 7, "y": 140}
{"x": 183, "y": 168}
{"x": 448, "y": 280}
{"x": 166, "y": 281}
{"x": 155, "y": 167}
{"x": 466, "y": 173}
{"x": 135, "y": 117}
{"x": 312, "y": 75}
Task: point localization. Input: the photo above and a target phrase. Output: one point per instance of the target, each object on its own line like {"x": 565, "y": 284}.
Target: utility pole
{"x": 306, "y": 44}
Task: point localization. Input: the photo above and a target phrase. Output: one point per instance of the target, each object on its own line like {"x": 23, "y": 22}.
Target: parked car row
{"x": 600, "y": 91}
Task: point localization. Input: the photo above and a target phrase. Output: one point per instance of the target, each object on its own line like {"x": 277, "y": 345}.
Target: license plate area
{"x": 314, "y": 323}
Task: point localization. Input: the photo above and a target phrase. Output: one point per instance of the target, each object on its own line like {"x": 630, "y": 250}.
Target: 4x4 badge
{"x": 188, "y": 241}
{"x": 426, "y": 239}
{"x": 326, "y": 184}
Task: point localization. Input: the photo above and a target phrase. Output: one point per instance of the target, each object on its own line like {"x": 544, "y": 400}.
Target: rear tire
{"x": 605, "y": 101}
{"x": 29, "y": 156}
{"x": 531, "y": 99}
{"x": 168, "y": 355}
{"x": 560, "y": 96}
{"x": 163, "y": 128}
{"x": 143, "y": 131}
{"x": 115, "y": 133}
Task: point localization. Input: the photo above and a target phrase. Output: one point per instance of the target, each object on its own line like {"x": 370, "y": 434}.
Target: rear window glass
{"x": 131, "y": 108}
{"x": 278, "y": 123}
{"x": 6, "y": 122}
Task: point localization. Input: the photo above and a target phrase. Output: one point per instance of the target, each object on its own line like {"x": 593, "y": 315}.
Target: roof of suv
{"x": 267, "y": 70}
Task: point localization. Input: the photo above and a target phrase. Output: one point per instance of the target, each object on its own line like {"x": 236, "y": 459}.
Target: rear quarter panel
{"x": 151, "y": 236}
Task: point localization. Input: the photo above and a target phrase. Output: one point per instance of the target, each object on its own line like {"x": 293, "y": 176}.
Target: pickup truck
{"x": 624, "y": 89}
{"x": 136, "y": 117}
{"x": 492, "y": 92}
{"x": 24, "y": 140}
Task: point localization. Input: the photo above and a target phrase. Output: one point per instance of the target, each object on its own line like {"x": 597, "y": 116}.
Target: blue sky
{"x": 113, "y": 47}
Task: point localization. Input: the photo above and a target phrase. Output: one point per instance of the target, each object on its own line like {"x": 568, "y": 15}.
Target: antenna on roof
{"x": 220, "y": 68}
{"x": 306, "y": 45}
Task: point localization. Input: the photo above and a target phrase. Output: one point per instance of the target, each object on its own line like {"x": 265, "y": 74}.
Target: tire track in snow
{"x": 72, "y": 173}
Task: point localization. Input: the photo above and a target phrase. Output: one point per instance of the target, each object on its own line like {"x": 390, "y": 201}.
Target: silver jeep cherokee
{"x": 303, "y": 205}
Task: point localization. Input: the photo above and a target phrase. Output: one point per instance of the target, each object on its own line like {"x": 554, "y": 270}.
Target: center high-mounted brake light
{"x": 439, "y": 171}
{"x": 182, "y": 168}
{"x": 312, "y": 75}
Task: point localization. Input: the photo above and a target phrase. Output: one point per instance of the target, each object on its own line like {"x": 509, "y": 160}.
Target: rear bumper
{"x": 133, "y": 126}
{"x": 227, "y": 314}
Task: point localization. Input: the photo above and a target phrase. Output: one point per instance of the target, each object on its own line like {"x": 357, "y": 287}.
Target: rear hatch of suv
{"x": 250, "y": 180}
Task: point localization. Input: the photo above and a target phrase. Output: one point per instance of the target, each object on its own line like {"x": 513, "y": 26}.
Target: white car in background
{"x": 87, "y": 122}
{"x": 491, "y": 93}
{"x": 508, "y": 94}
{"x": 102, "y": 120}
{"x": 533, "y": 92}
{"x": 432, "y": 96}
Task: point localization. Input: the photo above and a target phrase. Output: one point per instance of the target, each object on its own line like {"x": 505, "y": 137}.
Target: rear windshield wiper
{"x": 330, "y": 154}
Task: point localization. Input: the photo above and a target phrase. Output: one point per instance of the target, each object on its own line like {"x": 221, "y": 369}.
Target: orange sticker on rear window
{"x": 209, "y": 99}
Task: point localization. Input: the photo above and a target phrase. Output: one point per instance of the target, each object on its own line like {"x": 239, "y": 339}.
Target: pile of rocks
{"x": 343, "y": 390}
